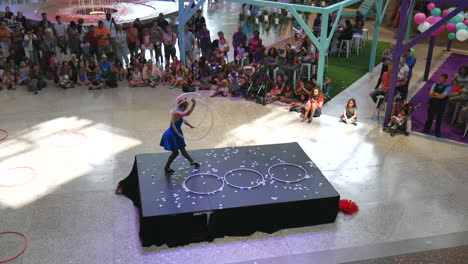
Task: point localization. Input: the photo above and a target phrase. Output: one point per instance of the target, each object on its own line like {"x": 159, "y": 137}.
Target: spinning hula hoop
{"x": 243, "y": 187}
{"x": 193, "y": 95}
{"x": 24, "y": 248}
{"x": 210, "y": 115}
{"x": 287, "y": 164}
{"x": 184, "y": 183}
{"x": 34, "y": 172}
{"x": 5, "y": 136}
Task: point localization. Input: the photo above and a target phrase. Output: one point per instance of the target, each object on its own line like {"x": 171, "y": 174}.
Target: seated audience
{"x": 349, "y": 115}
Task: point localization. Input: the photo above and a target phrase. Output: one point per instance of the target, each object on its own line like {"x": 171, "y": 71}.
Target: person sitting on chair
{"x": 384, "y": 88}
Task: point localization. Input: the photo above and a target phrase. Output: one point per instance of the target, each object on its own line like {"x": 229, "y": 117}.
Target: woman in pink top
{"x": 313, "y": 108}
{"x": 147, "y": 43}
{"x": 254, "y": 42}
{"x": 132, "y": 38}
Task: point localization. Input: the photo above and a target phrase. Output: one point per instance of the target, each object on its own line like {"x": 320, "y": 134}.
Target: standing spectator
{"x": 199, "y": 21}
{"x": 317, "y": 24}
{"x": 387, "y": 57}
{"x": 147, "y": 44}
{"x": 29, "y": 39}
{"x": 402, "y": 79}
{"x": 7, "y": 15}
{"x": 132, "y": 39}
{"x": 221, "y": 45}
{"x": 5, "y": 41}
{"x": 61, "y": 32}
{"x": 157, "y": 34}
{"x": 20, "y": 18}
{"x": 121, "y": 43}
{"x": 189, "y": 44}
{"x": 92, "y": 39}
{"x": 44, "y": 21}
{"x": 437, "y": 102}
{"x": 17, "y": 43}
{"x": 139, "y": 26}
{"x": 102, "y": 35}
{"x": 74, "y": 39}
{"x": 204, "y": 40}
{"x": 81, "y": 29}
{"x": 359, "y": 22}
{"x": 162, "y": 23}
{"x": 49, "y": 42}
{"x": 385, "y": 87}
{"x": 112, "y": 26}
{"x": 254, "y": 43}
{"x": 410, "y": 61}
{"x": 239, "y": 40}
{"x": 169, "y": 40}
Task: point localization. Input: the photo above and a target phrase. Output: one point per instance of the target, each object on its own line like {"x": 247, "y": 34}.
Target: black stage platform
{"x": 173, "y": 215}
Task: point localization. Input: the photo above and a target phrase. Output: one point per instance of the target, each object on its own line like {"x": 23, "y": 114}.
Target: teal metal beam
{"x": 338, "y": 5}
{"x": 322, "y": 50}
{"x": 335, "y": 24}
{"x": 410, "y": 20}
{"x": 302, "y": 8}
{"x": 305, "y": 27}
{"x": 380, "y": 14}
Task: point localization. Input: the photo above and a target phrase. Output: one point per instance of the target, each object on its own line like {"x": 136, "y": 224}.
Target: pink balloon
{"x": 419, "y": 18}
{"x": 466, "y": 22}
{"x": 433, "y": 19}
{"x": 451, "y": 27}
{"x": 438, "y": 30}
{"x": 445, "y": 12}
{"x": 430, "y": 6}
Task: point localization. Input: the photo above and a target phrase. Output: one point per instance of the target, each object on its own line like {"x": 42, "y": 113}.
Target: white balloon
{"x": 466, "y": 15}
{"x": 425, "y": 26}
{"x": 462, "y": 35}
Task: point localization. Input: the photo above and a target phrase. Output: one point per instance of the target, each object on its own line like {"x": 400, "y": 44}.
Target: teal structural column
{"x": 380, "y": 14}
{"x": 410, "y": 20}
{"x": 182, "y": 20}
{"x": 323, "y": 49}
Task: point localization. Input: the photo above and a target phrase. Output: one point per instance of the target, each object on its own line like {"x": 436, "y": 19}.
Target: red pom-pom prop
{"x": 348, "y": 207}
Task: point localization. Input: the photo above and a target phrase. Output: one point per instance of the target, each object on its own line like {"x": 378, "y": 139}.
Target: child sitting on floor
{"x": 82, "y": 78}
{"x": 223, "y": 89}
{"x": 136, "y": 79}
{"x": 167, "y": 75}
{"x": 349, "y": 115}
{"x": 178, "y": 80}
{"x": 9, "y": 81}
{"x": 23, "y": 74}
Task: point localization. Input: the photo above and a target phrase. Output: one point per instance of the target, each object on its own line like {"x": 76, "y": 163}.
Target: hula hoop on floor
{"x": 207, "y": 115}
{"x": 184, "y": 183}
{"x": 5, "y": 136}
{"x": 287, "y": 164}
{"x": 83, "y": 136}
{"x": 244, "y": 187}
{"x": 24, "y": 248}
{"x": 34, "y": 172}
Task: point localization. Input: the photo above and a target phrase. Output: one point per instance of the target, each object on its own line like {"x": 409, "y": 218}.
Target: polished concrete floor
{"x": 412, "y": 191}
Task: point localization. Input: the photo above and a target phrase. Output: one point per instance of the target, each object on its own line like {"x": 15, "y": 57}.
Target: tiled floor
{"x": 407, "y": 187}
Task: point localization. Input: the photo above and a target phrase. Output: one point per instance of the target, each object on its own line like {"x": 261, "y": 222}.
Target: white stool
{"x": 455, "y": 111}
{"x": 244, "y": 61}
{"x": 309, "y": 70}
{"x": 348, "y": 47}
{"x": 275, "y": 72}
{"x": 357, "y": 42}
{"x": 382, "y": 106}
{"x": 365, "y": 36}
{"x": 466, "y": 130}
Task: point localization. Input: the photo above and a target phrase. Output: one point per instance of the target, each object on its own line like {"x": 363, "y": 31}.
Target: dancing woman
{"x": 172, "y": 140}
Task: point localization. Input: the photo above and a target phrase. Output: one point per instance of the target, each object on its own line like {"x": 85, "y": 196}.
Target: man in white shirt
{"x": 60, "y": 29}
{"x": 402, "y": 79}
{"x": 112, "y": 26}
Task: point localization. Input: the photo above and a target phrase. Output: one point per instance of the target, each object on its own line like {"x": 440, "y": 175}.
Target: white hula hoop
{"x": 184, "y": 183}
{"x": 187, "y": 96}
{"x": 244, "y": 187}
{"x": 287, "y": 164}
{"x": 209, "y": 115}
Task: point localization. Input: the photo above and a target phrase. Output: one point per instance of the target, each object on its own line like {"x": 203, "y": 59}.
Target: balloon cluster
{"x": 457, "y": 26}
